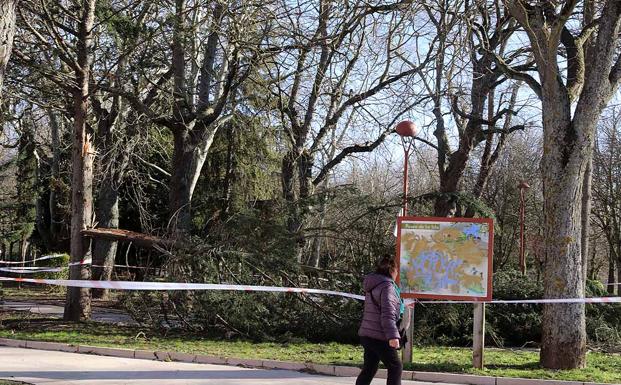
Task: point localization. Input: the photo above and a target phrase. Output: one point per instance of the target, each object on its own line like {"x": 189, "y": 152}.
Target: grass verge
{"x": 499, "y": 362}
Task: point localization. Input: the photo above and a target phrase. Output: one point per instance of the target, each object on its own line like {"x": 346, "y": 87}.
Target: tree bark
{"x": 7, "y": 32}
{"x": 55, "y": 220}
{"x": 188, "y": 159}
{"x": 194, "y": 127}
{"x": 78, "y": 304}
{"x": 568, "y": 147}
{"x": 618, "y": 278}
{"x": 305, "y": 174}
{"x": 230, "y": 172}
{"x": 180, "y": 195}
{"x": 290, "y": 164}
{"x": 104, "y": 251}
{"x": 586, "y": 216}
{"x": 611, "y": 275}
{"x": 107, "y": 210}
{"x": 288, "y": 189}
{"x": 43, "y": 219}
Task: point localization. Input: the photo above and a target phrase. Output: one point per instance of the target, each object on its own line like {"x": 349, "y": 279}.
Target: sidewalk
{"x": 230, "y": 363}
{"x": 99, "y": 314}
{"x": 55, "y": 368}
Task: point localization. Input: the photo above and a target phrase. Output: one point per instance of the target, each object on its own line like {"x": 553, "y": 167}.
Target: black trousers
{"x": 374, "y": 352}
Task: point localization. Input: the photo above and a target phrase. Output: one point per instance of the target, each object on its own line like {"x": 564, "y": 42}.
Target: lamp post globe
{"x": 406, "y": 128}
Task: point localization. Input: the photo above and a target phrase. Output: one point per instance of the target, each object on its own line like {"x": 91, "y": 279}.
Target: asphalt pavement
{"x": 55, "y": 368}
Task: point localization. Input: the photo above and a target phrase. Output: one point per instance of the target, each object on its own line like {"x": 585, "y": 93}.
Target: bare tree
{"x": 78, "y": 304}
{"x": 340, "y": 92}
{"x": 470, "y": 35}
{"x": 607, "y": 191}
{"x": 117, "y": 125}
{"x": 213, "y": 51}
{"x": 7, "y": 31}
{"x": 561, "y": 37}
{"x": 71, "y": 42}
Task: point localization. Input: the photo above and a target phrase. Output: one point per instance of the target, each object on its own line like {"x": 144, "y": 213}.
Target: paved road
{"x": 55, "y": 368}
{"x": 99, "y": 314}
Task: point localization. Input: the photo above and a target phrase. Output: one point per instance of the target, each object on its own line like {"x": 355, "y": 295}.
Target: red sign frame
{"x": 490, "y": 254}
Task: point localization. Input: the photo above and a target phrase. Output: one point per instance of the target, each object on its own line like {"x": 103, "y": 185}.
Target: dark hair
{"x": 385, "y": 265}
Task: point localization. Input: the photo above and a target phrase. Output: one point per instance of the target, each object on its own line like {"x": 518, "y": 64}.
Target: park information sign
{"x": 445, "y": 258}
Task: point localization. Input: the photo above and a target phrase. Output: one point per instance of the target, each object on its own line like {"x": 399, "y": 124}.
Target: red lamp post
{"x": 407, "y": 130}
{"x": 522, "y": 186}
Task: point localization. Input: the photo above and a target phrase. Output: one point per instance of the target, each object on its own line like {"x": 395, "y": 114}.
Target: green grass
{"x": 28, "y": 293}
{"x": 46, "y": 294}
{"x": 499, "y": 362}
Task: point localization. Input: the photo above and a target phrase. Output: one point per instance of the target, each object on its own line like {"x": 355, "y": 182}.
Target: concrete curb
{"x": 332, "y": 370}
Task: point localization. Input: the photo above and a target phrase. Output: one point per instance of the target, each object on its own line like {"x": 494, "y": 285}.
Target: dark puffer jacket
{"x": 381, "y": 311}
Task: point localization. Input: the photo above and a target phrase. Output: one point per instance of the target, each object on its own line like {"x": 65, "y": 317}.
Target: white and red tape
{"x": 52, "y": 256}
{"x": 129, "y": 285}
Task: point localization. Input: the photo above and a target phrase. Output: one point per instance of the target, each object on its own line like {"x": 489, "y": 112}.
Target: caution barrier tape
{"x": 39, "y": 269}
{"x": 89, "y": 261}
{"x": 526, "y": 301}
{"x": 128, "y": 267}
{"x": 86, "y": 261}
{"x": 51, "y": 256}
{"x": 24, "y": 270}
{"x": 129, "y": 285}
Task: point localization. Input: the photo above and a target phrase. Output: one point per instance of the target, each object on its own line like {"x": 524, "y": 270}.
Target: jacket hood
{"x": 373, "y": 280}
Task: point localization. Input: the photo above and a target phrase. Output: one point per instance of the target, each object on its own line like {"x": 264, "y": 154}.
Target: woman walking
{"x": 379, "y": 333}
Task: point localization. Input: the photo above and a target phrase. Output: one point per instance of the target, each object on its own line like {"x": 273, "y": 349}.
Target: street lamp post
{"x": 522, "y": 186}
{"x": 407, "y": 131}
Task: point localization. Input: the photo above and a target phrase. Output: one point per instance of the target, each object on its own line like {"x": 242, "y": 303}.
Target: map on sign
{"x": 448, "y": 258}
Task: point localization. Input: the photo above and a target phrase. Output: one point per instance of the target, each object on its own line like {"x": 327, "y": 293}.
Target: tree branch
{"x": 514, "y": 74}
{"x": 518, "y": 127}
{"x": 367, "y": 147}
{"x": 575, "y": 63}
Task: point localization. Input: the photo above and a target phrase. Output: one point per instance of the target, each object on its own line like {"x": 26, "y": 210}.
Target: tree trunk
{"x": 230, "y": 172}
{"x": 305, "y": 174}
{"x": 449, "y": 183}
{"x": 7, "y": 31}
{"x": 572, "y": 103}
{"x": 288, "y": 190}
{"x": 563, "y": 324}
{"x": 43, "y": 219}
{"x": 567, "y": 151}
{"x": 180, "y": 195}
{"x": 611, "y": 275}
{"x": 188, "y": 159}
{"x": 290, "y": 164}
{"x": 78, "y": 304}
{"x": 23, "y": 249}
{"x": 618, "y": 278}
{"x": 55, "y": 220}
{"x": 586, "y": 216}
{"x": 104, "y": 252}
